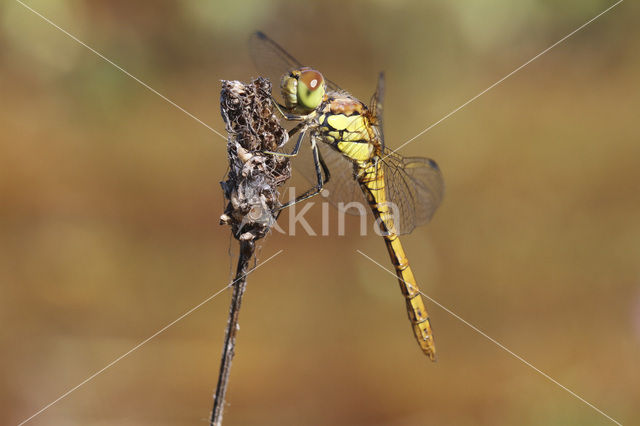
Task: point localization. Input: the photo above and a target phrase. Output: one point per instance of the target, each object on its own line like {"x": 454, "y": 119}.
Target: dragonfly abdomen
{"x": 371, "y": 180}
{"x": 416, "y": 310}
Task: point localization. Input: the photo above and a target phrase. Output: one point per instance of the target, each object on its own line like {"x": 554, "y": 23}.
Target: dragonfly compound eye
{"x": 289, "y": 87}
{"x": 311, "y": 88}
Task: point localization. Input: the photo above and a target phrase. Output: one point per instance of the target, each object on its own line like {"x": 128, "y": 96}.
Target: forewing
{"x": 376, "y": 105}
{"x": 415, "y": 187}
{"x": 272, "y": 61}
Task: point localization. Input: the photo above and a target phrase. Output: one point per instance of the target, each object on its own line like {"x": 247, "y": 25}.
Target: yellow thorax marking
{"x": 353, "y": 123}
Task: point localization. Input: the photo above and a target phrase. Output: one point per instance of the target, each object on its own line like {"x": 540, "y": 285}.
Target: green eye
{"x": 310, "y": 89}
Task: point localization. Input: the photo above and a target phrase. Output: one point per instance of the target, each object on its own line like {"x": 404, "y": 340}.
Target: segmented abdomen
{"x": 371, "y": 180}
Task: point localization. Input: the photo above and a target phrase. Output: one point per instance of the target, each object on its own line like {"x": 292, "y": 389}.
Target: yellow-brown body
{"x": 347, "y": 125}
{"x": 332, "y": 116}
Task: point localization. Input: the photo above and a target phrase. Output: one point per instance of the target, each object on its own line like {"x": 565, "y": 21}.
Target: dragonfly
{"x": 349, "y": 155}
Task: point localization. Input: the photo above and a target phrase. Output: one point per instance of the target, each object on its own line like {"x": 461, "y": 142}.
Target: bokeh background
{"x": 109, "y": 207}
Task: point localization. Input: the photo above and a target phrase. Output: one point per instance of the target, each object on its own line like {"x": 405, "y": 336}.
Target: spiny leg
{"x": 325, "y": 169}
{"x": 296, "y": 148}
{"x": 320, "y": 167}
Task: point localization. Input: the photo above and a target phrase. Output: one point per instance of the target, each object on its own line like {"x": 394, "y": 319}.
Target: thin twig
{"x": 251, "y": 189}
{"x": 246, "y": 253}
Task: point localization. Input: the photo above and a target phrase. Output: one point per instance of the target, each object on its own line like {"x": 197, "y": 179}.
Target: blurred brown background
{"x": 109, "y": 206}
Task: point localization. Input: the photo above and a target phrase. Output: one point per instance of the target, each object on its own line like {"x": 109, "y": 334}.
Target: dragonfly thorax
{"x": 303, "y": 89}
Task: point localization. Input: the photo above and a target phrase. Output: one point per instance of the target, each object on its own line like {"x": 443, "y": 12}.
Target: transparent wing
{"x": 415, "y": 187}
{"x": 342, "y": 186}
{"x": 272, "y": 61}
{"x": 376, "y": 105}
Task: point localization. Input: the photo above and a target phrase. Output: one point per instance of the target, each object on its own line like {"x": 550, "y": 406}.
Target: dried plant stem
{"x": 247, "y": 249}
{"x": 251, "y": 190}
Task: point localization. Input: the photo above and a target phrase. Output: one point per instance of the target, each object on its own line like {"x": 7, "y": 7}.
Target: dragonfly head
{"x": 303, "y": 88}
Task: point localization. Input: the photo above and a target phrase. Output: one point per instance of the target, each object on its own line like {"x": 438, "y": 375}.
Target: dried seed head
{"x": 253, "y": 178}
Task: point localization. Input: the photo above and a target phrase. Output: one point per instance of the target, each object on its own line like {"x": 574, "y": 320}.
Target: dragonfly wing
{"x": 376, "y": 105}
{"x": 342, "y": 186}
{"x": 272, "y": 61}
{"x": 415, "y": 187}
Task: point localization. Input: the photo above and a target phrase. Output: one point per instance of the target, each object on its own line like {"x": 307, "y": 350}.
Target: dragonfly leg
{"x": 325, "y": 169}
{"x": 298, "y": 142}
{"x": 320, "y": 168}
{"x": 296, "y": 129}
